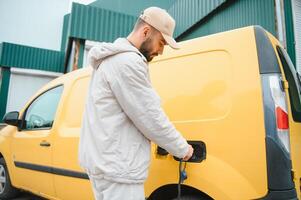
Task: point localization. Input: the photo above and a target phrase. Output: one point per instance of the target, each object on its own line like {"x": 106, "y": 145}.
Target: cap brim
{"x": 171, "y": 42}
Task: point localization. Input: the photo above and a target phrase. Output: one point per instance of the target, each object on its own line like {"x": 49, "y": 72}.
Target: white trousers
{"x": 108, "y": 190}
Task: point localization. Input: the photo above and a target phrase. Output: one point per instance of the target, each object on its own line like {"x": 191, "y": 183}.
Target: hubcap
{"x": 2, "y": 179}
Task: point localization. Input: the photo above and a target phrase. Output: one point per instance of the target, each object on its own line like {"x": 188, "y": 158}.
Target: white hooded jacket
{"x": 122, "y": 115}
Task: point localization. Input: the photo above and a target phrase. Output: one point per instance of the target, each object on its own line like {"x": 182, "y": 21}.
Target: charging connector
{"x": 182, "y": 177}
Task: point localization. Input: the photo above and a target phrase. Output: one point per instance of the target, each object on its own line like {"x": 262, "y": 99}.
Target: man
{"x": 123, "y": 112}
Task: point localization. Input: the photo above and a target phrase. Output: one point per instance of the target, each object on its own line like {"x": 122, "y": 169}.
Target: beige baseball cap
{"x": 163, "y": 22}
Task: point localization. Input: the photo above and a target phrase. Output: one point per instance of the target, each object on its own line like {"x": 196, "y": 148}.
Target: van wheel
{"x": 7, "y": 191}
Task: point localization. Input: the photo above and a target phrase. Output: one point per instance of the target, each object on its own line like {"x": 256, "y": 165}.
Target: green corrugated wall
{"x": 20, "y": 56}
{"x": 92, "y": 23}
{"x": 235, "y": 14}
{"x": 131, "y": 7}
{"x": 65, "y": 33}
{"x": 189, "y": 12}
{"x": 290, "y": 38}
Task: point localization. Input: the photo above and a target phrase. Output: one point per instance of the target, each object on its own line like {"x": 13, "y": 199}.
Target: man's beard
{"x": 145, "y": 49}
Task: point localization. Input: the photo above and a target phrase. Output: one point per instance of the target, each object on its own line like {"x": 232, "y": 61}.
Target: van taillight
{"x": 282, "y": 118}
{"x": 281, "y": 114}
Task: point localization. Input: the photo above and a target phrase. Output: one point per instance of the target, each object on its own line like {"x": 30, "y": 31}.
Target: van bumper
{"x": 281, "y": 195}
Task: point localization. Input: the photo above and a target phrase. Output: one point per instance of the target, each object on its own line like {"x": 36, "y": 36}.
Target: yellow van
{"x": 234, "y": 95}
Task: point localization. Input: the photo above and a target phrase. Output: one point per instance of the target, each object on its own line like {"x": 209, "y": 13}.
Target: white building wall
{"x": 24, "y": 84}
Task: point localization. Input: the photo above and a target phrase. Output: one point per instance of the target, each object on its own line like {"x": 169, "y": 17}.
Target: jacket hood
{"x": 104, "y": 50}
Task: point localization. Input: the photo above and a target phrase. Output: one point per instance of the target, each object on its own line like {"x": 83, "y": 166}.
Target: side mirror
{"x": 11, "y": 118}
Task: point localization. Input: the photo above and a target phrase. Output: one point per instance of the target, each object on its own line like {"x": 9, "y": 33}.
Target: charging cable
{"x": 182, "y": 177}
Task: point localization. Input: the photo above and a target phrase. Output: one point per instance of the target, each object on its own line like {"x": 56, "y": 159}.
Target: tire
{"x": 7, "y": 191}
{"x": 191, "y": 198}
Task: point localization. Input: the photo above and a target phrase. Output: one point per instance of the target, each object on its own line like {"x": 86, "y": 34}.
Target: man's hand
{"x": 189, "y": 154}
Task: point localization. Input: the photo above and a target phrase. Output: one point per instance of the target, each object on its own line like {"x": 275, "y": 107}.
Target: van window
{"x": 294, "y": 86}
{"x": 41, "y": 112}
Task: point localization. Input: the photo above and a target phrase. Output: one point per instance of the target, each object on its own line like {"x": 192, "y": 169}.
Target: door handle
{"x": 44, "y": 144}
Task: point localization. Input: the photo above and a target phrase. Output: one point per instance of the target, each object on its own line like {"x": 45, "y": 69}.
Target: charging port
{"x": 199, "y": 152}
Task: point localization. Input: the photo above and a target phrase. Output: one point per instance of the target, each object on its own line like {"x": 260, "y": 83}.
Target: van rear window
{"x": 294, "y": 83}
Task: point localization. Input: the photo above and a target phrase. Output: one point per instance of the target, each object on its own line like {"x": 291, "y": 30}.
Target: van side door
{"x": 32, "y": 144}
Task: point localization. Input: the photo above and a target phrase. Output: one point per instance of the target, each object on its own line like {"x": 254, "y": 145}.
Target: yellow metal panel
{"x": 26, "y": 148}
{"x": 65, "y": 154}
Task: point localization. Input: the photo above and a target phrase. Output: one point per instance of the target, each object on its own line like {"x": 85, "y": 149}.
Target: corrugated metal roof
{"x": 236, "y": 14}
{"x": 92, "y": 23}
{"x": 136, "y": 8}
{"x": 189, "y": 12}
{"x": 15, "y": 55}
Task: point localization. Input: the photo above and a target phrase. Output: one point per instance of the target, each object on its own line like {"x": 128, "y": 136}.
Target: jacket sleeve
{"x": 138, "y": 99}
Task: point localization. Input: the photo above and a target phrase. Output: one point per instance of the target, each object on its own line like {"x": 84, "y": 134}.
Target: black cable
{"x": 181, "y": 178}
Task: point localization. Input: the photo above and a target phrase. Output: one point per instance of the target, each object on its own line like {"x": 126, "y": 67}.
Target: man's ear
{"x": 146, "y": 31}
